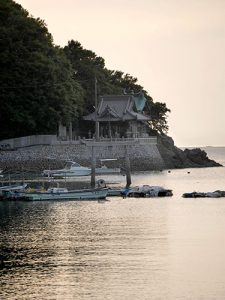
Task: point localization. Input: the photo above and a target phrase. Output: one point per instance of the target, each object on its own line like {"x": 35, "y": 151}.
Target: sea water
{"x": 147, "y": 248}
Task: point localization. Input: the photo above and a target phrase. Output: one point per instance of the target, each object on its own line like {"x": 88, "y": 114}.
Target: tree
{"x": 159, "y": 118}
{"x": 42, "y": 84}
{"x": 36, "y": 80}
{"x": 88, "y": 66}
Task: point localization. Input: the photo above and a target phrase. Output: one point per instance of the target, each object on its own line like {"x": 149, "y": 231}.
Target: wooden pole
{"x": 93, "y": 166}
{"x": 96, "y": 115}
{"x": 128, "y": 172}
{"x": 70, "y": 131}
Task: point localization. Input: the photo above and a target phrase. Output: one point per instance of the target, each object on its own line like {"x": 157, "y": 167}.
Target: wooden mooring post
{"x": 93, "y": 166}
{"x": 128, "y": 171}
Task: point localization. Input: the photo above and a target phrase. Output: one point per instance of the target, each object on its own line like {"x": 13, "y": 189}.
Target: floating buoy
{"x": 101, "y": 183}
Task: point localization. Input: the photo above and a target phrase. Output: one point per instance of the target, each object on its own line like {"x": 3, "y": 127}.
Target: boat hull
{"x": 71, "y": 195}
{"x": 114, "y": 192}
{"x": 107, "y": 170}
{"x": 72, "y": 173}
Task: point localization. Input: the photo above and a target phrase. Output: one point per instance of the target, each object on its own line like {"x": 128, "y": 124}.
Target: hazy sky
{"x": 176, "y": 49}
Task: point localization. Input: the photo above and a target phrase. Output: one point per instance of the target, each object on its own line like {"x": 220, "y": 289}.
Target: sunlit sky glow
{"x": 175, "y": 48}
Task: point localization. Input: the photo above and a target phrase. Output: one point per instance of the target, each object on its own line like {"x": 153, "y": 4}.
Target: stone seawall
{"x": 36, "y": 158}
{"x": 144, "y": 155}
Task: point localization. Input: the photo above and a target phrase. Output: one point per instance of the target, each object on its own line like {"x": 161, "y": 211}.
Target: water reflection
{"x": 160, "y": 248}
{"x": 83, "y": 250}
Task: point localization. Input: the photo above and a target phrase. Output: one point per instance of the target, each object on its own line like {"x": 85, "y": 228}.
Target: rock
{"x": 199, "y": 157}
{"x": 188, "y": 158}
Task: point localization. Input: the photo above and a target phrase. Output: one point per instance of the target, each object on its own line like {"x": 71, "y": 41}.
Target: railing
{"x": 27, "y": 141}
{"x": 150, "y": 140}
{"x": 12, "y": 144}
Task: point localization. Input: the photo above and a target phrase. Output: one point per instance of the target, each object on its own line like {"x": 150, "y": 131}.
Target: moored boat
{"x": 147, "y": 191}
{"x": 13, "y": 188}
{"x": 114, "y": 192}
{"x": 215, "y": 194}
{"x": 59, "y": 194}
{"x": 71, "y": 169}
{"x": 103, "y": 169}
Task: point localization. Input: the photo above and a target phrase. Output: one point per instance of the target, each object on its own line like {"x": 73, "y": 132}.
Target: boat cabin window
{"x": 70, "y": 164}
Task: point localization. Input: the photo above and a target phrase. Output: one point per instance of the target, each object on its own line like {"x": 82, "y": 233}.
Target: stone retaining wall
{"x": 142, "y": 156}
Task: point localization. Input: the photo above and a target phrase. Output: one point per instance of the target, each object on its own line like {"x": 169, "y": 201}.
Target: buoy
{"x": 101, "y": 183}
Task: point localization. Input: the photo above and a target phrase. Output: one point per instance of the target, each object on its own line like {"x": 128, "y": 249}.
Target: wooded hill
{"x": 42, "y": 84}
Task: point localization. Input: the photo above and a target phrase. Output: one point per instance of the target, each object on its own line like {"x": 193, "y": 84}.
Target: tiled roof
{"x": 116, "y": 108}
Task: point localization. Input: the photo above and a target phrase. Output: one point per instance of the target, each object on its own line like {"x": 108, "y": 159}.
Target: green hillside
{"x": 42, "y": 84}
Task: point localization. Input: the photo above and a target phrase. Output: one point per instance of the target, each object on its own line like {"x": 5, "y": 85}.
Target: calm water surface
{"x": 162, "y": 248}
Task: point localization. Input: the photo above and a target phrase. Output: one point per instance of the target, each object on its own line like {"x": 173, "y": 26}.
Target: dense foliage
{"x": 42, "y": 84}
{"x": 36, "y": 79}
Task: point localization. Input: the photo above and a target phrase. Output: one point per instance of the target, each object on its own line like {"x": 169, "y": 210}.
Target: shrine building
{"x": 120, "y": 116}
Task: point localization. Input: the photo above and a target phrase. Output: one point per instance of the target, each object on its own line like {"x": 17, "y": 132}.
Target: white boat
{"x": 71, "y": 169}
{"x": 60, "y": 194}
{"x": 103, "y": 169}
{"x": 12, "y": 187}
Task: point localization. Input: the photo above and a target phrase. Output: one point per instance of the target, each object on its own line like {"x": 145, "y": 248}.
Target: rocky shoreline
{"x": 175, "y": 158}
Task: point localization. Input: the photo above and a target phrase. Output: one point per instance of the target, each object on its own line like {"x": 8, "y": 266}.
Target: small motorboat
{"x": 147, "y": 191}
{"x": 58, "y": 194}
{"x": 193, "y": 195}
{"x": 103, "y": 169}
{"x": 13, "y": 188}
{"x": 215, "y": 194}
{"x": 71, "y": 169}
